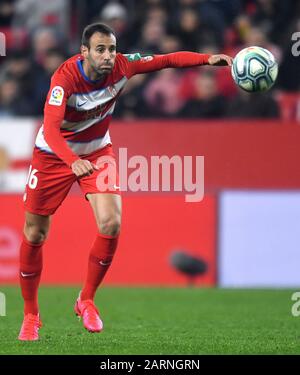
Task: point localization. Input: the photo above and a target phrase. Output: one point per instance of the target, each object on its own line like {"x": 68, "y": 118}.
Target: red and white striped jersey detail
{"x": 88, "y": 107}
{"x": 79, "y": 147}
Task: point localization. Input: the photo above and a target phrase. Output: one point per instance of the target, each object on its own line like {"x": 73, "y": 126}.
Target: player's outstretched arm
{"x": 220, "y": 60}
{"x": 136, "y": 64}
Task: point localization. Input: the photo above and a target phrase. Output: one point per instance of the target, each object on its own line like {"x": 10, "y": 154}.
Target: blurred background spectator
{"x": 12, "y": 102}
{"x": 207, "y": 101}
{"x": 41, "y": 34}
{"x": 31, "y": 14}
{"x": 245, "y": 105}
{"x": 6, "y": 12}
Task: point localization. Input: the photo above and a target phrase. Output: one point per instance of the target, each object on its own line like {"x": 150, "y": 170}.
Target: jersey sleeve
{"x": 136, "y": 63}
{"x": 54, "y": 111}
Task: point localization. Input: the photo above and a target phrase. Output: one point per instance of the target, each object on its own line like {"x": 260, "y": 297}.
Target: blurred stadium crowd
{"x": 41, "y": 34}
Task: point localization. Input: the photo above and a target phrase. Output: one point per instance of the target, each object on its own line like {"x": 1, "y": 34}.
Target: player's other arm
{"x": 137, "y": 65}
{"x": 61, "y": 149}
{"x": 53, "y": 116}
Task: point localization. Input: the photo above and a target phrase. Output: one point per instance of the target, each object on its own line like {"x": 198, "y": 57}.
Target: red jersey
{"x": 78, "y": 111}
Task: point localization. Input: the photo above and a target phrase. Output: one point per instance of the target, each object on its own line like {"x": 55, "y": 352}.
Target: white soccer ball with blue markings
{"x": 254, "y": 69}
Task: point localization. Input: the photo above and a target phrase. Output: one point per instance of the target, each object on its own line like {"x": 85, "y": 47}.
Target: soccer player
{"x": 72, "y": 145}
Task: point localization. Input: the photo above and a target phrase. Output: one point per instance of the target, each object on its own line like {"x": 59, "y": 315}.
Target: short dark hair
{"x": 93, "y": 28}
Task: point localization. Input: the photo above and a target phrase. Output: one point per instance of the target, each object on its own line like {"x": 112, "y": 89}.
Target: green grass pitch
{"x": 159, "y": 321}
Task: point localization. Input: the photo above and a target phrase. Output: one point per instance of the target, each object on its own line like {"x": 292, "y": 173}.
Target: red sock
{"x": 100, "y": 258}
{"x": 31, "y": 264}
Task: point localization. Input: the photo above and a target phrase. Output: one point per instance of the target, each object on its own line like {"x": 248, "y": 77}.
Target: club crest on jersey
{"x": 112, "y": 90}
{"x": 56, "y": 96}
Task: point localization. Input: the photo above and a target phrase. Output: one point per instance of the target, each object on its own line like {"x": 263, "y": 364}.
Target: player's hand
{"x": 83, "y": 167}
{"x": 220, "y": 60}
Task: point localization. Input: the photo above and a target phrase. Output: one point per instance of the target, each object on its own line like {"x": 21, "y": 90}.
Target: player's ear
{"x": 84, "y": 50}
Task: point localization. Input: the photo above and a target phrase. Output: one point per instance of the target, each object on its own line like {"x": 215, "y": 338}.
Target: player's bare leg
{"x": 107, "y": 211}
{"x": 107, "y": 208}
{"x": 31, "y": 263}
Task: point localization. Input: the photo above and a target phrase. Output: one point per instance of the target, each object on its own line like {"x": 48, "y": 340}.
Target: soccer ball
{"x": 254, "y": 69}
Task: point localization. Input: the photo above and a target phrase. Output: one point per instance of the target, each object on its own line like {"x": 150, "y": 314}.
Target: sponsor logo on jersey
{"x": 133, "y": 56}
{"x": 57, "y": 95}
{"x": 81, "y": 103}
{"x": 138, "y": 56}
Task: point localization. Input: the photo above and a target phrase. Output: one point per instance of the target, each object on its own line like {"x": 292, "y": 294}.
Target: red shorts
{"x": 50, "y": 180}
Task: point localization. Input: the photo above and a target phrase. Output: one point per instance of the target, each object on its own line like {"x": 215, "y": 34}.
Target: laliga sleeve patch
{"x": 56, "y": 96}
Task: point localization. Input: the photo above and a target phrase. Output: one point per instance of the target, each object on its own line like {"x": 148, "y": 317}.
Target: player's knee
{"x": 35, "y": 233}
{"x": 110, "y": 226}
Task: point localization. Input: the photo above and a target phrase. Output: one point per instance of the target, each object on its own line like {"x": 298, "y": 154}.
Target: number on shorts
{"x": 32, "y": 179}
